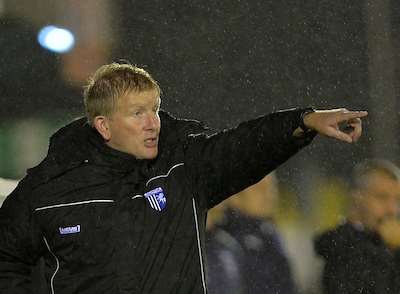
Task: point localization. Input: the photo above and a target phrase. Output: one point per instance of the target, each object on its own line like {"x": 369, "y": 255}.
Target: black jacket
{"x": 84, "y": 210}
{"x": 357, "y": 261}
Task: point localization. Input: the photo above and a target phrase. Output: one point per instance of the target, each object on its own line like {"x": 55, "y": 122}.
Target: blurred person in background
{"x": 6, "y": 187}
{"x": 362, "y": 255}
{"x": 119, "y": 204}
{"x": 225, "y": 256}
{"x": 250, "y": 220}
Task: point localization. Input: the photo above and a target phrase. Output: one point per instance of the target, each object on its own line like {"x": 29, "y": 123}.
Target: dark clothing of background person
{"x": 86, "y": 208}
{"x": 266, "y": 266}
{"x": 357, "y": 261}
{"x": 224, "y": 259}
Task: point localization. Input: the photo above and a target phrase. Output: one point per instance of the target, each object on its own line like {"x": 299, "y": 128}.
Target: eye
{"x": 138, "y": 113}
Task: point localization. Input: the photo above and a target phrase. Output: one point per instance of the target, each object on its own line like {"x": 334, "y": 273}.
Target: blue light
{"x": 56, "y": 39}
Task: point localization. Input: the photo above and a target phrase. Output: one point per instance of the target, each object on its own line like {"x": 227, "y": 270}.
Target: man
{"x": 225, "y": 256}
{"x": 249, "y": 220}
{"x": 363, "y": 254}
{"x": 119, "y": 203}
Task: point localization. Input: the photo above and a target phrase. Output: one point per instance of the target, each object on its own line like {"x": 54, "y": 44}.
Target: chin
{"x": 150, "y": 155}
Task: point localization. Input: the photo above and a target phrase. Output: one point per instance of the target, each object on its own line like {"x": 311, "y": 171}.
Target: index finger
{"x": 352, "y": 114}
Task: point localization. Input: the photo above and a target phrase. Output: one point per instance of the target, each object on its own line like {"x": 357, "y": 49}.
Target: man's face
{"x": 380, "y": 199}
{"x": 134, "y": 127}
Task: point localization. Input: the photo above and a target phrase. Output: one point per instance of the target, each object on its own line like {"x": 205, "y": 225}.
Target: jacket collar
{"x": 78, "y": 143}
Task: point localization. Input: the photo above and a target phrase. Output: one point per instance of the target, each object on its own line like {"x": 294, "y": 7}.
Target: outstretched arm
{"x": 227, "y": 162}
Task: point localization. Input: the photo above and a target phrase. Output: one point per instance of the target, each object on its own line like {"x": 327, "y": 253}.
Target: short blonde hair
{"x": 109, "y": 83}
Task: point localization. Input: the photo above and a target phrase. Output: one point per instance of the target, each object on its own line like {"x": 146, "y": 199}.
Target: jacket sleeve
{"x": 17, "y": 234}
{"x": 227, "y": 162}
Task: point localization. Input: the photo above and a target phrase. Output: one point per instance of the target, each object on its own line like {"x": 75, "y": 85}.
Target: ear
{"x": 102, "y": 126}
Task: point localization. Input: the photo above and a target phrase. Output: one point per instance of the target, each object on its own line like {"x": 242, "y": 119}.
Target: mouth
{"x": 151, "y": 142}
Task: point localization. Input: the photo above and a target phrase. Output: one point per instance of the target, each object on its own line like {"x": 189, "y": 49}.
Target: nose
{"x": 151, "y": 121}
{"x": 392, "y": 208}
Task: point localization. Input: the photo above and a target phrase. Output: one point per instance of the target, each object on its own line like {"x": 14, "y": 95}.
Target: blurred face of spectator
{"x": 259, "y": 200}
{"x": 134, "y": 126}
{"x": 378, "y": 200}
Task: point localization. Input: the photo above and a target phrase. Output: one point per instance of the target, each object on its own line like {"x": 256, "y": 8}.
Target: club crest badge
{"x": 156, "y": 198}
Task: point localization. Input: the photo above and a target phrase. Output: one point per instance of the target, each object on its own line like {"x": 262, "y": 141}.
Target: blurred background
{"x": 221, "y": 62}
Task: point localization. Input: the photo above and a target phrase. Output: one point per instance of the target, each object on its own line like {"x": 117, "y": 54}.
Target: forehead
{"x": 382, "y": 183}
{"x": 142, "y": 98}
